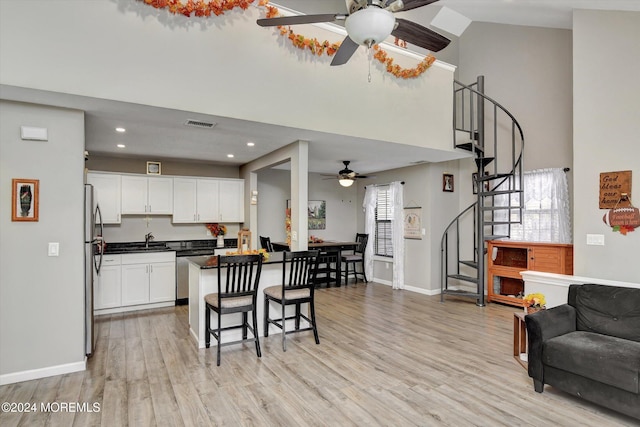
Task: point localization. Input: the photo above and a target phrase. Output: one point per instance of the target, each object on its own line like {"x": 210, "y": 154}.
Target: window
{"x": 545, "y": 217}
{"x": 384, "y": 222}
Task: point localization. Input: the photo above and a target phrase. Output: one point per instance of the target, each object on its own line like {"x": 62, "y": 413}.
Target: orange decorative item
{"x": 622, "y": 219}
{"x": 201, "y": 8}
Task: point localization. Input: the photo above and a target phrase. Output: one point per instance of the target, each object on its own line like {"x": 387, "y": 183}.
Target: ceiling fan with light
{"x": 346, "y": 176}
{"x": 370, "y": 22}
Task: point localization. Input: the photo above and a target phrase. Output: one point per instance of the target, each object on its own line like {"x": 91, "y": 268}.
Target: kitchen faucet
{"x": 147, "y": 237}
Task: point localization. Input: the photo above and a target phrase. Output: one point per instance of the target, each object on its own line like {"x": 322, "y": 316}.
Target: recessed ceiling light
{"x": 121, "y": 130}
{"x": 120, "y": 145}
{"x": 230, "y": 156}
{"x": 250, "y": 144}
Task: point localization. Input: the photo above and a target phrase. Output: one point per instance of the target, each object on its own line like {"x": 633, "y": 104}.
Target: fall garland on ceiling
{"x": 201, "y": 8}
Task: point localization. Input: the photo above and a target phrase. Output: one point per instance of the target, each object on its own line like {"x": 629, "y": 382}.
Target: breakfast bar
{"x": 203, "y": 280}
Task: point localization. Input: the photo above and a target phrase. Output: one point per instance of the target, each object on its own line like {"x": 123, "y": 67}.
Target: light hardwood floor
{"x": 393, "y": 358}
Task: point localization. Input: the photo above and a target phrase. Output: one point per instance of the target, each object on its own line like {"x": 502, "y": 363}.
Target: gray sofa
{"x": 590, "y": 347}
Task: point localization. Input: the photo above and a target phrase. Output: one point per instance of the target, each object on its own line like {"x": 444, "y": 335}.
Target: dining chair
{"x": 238, "y": 279}
{"x": 328, "y": 268}
{"x": 297, "y": 288}
{"x": 265, "y": 243}
{"x": 355, "y": 259}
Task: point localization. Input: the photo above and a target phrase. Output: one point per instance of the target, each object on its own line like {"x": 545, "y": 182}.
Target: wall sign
{"x": 25, "y": 199}
{"x": 413, "y": 223}
{"x": 612, "y": 185}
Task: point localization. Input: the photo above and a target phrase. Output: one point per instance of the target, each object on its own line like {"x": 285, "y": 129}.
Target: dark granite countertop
{"x": 181, "y": 247}
{"x": 208, "y": 262}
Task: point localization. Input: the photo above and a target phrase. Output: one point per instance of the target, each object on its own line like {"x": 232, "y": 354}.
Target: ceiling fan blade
{"x": 414, "y": 4}
{"x": 300, "y": 19}
{"x": 419, "y": 35}
{"x": 345, "y": 51}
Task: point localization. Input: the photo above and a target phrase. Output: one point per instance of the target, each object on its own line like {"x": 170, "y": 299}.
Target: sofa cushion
{"x": 610, "y": 360}
{"x": 608, "y": 310}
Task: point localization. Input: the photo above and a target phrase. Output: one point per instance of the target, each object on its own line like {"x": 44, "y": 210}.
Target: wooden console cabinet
{"x": 506, "y": 259}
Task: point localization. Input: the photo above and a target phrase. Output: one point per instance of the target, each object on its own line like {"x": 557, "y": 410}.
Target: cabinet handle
{"x": 151, "y": 268}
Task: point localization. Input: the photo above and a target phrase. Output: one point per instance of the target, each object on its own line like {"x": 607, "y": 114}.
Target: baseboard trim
{"x": 182, "y": 301}
{"x": 34, "y": 374}
{"x": 409, "y": 288}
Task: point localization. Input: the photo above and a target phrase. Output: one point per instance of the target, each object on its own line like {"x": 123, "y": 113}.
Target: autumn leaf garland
{"x": 201, "y": 8}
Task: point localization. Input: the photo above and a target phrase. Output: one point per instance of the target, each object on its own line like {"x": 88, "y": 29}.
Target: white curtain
{"x": 546, "y": 216}
{"x": 397, "y": 235}
{"x": 369, "y": 207}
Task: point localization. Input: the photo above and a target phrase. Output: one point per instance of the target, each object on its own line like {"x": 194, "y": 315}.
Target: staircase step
{"x": 495, "y": 237}
{"x": 461, "y": 293}
{"x": 484, "y": 161}
{"x": 472, "y": 264}
{"x": 496, "y": 192}
{"x": 501, "y": 222}
{"x": 463, "y": 277}
{"x": 495, "y": 176}
{"x": 470, "y": 146}
{"x": 500, "y": 208}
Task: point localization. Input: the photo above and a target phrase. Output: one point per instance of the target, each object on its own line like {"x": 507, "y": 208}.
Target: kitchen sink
{"x": 136, "y": 247}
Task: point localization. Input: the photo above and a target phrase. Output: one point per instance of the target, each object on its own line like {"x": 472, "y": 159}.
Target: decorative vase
{"x": 220, "y": 243}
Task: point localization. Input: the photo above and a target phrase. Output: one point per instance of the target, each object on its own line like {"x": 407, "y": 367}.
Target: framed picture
{"x": 317, "y": 213}
{"x": 24, "y": 199}
{"x": 154, "y": 168}
{"x": 447, "y": 182}
{"x": 413, "y": 223}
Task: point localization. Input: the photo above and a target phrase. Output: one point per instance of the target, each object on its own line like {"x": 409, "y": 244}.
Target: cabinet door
{"x": 107, "y": 193}
{"x": 545, "y": 259}
{"x": 231, "y": 201}
{"x": 162, "y": 282}
{"x": 134, "y": 195}
{"x": 160, "y": 198}
{"x": 207, "y": 201}
{"x": 184, "y": 200}
{"x": 106, "y": 287}
{"x": 135, "y": 284}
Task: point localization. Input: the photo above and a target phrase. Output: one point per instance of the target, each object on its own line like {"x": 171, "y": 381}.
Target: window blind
{"x": 383, "y": 217}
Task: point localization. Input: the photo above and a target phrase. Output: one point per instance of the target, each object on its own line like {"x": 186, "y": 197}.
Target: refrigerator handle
{"x": 98, "y": 239}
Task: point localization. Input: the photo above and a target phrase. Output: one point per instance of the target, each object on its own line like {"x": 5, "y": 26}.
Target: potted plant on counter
{"x": 218, "y": 231}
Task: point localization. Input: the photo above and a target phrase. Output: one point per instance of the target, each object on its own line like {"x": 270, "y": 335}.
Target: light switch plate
{"x": 54, "y": 249}
{"x": 595, "y": 239}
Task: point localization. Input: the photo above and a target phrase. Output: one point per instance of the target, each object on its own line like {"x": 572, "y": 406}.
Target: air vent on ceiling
{"x": 199, "y": 124}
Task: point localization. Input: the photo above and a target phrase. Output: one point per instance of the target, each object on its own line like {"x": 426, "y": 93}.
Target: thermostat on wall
{"x": 33, "y": 133}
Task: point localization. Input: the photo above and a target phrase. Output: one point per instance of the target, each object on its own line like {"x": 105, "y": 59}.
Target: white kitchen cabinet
{"x": 199, "y": 200}
{"x": 147, "y": 195}
{"x": 148, "y": 278}
{"x": 231, "y": 200}
{"x": 107, "y": 284}
{"x": 107, "y": 194}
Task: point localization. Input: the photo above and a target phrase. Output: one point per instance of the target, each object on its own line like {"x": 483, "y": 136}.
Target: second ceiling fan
{"x": 370, "y": 22}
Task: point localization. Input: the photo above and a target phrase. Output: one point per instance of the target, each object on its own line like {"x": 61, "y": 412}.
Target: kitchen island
{"x": 203, "y": 280}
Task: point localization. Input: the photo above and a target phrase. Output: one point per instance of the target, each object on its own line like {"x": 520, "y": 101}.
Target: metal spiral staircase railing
{"x": 478, "y": 119}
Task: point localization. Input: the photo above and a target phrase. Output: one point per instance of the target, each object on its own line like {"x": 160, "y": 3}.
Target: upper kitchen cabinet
{"x": 147, "y": 195}
{"x": 207, "y": 200}
{"x": 107, "y": 193}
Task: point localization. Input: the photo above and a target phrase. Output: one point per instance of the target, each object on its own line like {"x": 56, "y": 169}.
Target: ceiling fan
{"x": 370, "y": 22}
{"x": 346, "y": 176}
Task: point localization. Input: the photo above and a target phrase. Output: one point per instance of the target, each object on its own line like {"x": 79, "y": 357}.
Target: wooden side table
{"x": 519, "y": 338}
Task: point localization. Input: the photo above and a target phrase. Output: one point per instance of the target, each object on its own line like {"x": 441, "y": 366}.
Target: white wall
{"x": 41, "y": 297}
{"x": 274, "y": 190}
{"x": 217, "y": 66}
{"x": 606, "y": 128}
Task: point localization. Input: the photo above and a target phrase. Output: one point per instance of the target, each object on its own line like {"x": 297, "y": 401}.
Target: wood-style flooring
{"x": 392, "y": 358}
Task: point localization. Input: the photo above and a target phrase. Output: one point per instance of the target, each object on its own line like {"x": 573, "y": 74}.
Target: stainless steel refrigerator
{"x": 92, "y": 261}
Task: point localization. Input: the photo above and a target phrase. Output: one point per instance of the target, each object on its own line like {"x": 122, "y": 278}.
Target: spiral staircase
{"x": 485, "y": 128}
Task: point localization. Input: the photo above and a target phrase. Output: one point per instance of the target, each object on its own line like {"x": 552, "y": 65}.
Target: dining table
{"x": 324, "y": 245}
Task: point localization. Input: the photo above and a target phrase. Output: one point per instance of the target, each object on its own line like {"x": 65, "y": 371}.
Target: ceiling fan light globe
{"x": 346, "y": 182}
{"x": 370, "y": 26}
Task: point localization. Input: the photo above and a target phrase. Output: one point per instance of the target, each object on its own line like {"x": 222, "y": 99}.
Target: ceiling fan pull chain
{"x": 370, "y": 53}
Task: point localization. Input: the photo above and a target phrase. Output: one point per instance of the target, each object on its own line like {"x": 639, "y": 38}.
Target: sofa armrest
{"x": 544, "y": 325}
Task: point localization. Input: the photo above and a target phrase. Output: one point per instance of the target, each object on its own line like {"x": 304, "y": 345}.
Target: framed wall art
{"x": 447, "y": 182}
{"x": 24, "y": 199}
{"x": 317, "y": 213}
{"x": 413, "y": 223}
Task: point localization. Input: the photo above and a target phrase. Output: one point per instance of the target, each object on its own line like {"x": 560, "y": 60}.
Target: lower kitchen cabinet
{"x": 138, "y": 281}
{"x": 107, "y": 286}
